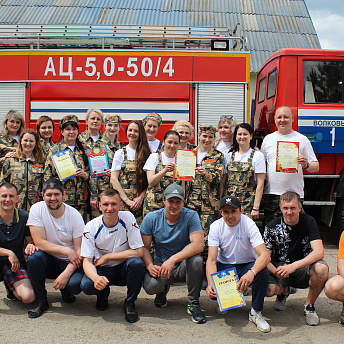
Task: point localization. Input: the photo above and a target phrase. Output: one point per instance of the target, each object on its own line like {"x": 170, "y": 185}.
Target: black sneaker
{"x": 10, "y": 296}
{"x": 194, "y": 309}
{"x": 39, "y": 309}
{"x": 160, "y": 300}
{"x": 130, "y": 313}
{"x": 67, "y": 297}
{"x": 103, "y": 300}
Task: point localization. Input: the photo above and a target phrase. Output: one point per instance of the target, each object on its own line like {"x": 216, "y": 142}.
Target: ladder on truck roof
{"x": 119, "y": 37}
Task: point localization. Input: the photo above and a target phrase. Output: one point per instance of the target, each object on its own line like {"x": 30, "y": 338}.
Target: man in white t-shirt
{"x": 234, "y": 241}
{"x": 279, "y": 179}
{"x": 56, "y": 229}
{"x": 112, "y": 249}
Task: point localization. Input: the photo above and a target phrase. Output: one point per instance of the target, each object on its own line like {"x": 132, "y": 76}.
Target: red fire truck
{"x": 196, "y": 74}
{"x": 310, "y": 82}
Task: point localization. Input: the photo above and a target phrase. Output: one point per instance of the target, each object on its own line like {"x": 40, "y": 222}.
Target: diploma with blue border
{"x": 65, "y": 164}
{"x": 99, "y": 161}
{"x": 225, "y": 284}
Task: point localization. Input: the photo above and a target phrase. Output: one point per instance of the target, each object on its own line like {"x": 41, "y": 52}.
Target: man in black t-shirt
{"x": 296, "y": 249}
{"x": 13, "y": 234}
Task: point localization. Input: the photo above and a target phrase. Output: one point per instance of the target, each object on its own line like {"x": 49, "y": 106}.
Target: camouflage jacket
{"x": 7, "y": 144}
{"x": 76, "y": 188}
{"x": 99, "y": 184}
{"x": 8, "y": 141}
{"x": 204, "y": 193}
{"x": 27, "y": 176}
{"x": 87, "y": 140}
{"x": 45, "y": 149}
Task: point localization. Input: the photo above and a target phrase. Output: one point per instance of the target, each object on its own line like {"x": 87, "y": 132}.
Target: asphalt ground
{"x": 82, "y": 323}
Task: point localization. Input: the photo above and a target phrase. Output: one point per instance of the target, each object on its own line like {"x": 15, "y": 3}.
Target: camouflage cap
{"x": 69, "y": 118}
{"x": 208, "y": 129}
{"x": 153, "y": 116}
{"x": 113, "y": 118}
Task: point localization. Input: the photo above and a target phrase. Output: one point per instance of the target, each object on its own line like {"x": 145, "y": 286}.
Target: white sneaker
{"x": 312, "y": 318}
{"x": 259, "y": 321}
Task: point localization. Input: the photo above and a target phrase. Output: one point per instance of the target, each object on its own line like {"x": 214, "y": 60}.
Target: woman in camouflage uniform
{"x": 226, "y": 126}
{"x": 90, "y": 139}
{"x": 186, "y": 133}
{"x": 152, "y": 123}
{"x": 45, "y": 128}
{"x": 26, "y": 169}
{"x": 245, "y": 170}
{"x": 76, "y": 187}
{"x": 127, "y": 174}
{"x": 94, "y": 121}
{"x": 203, "y": 194}
{"x": 13, "y": 125}
{"x": 111, "y": 143}
{"x": 159, "y": 168}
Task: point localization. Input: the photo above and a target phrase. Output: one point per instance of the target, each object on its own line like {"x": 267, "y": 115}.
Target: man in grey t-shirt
{"x": 177, "y": 237}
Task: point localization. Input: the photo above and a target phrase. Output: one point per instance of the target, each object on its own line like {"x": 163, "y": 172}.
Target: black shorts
{"x": 298, "y": 279}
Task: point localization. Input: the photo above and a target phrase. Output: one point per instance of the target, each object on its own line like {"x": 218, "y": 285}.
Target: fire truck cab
{"x": 310, "y": 82}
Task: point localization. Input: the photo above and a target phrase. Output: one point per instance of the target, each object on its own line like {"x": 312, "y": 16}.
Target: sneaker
{"x": 130, "y": 312}
{"x": 39, "y": 309}
{"x": 103, "y": 300}
{"x": 10, "y": 295}
{"x": 67, "y": 297}
{"x": 218, "y": 310}
{"x": 194, "y": 309}
{"x": 281, "y": 303}
{"x": 341, "y": 317}
{"x": 260, "y": 322}
{"x": 160, "y": 300}
{"x": 312, "y": 318}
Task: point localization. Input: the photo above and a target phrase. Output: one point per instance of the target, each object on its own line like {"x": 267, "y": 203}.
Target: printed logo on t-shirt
{"x": 239, "y": 238}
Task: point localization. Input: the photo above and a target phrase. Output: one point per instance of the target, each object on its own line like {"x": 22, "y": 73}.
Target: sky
{"x": 328, "y": 19}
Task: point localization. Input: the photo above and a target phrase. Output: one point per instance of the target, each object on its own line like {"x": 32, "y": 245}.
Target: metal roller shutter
{"x": 12, "y": 96}
{"x": 214, "y": 100}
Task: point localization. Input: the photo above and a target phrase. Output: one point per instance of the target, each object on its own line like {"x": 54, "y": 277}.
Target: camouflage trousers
{"x": 85, "y": 213}
{"x": 206, "y": 221}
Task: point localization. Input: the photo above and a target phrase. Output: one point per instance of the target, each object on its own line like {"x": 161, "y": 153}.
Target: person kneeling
{"x": 294, "y": 242}
{"x": 112, "y": 250}
{"x": 234, "y": 240}
{"x": 178, "y": 240}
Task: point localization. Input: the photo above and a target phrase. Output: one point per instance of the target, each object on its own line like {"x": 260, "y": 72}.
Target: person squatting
{"x": 137, "y": 226}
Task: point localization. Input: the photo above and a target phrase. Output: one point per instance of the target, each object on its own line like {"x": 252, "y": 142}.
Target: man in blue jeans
{"x": 112, "y": 250}
{"x": 56, "y": 229}
{"x": 234, "y": 241}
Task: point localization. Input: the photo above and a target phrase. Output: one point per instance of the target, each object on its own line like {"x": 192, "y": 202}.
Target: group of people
{"x": 149, "y": 230}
